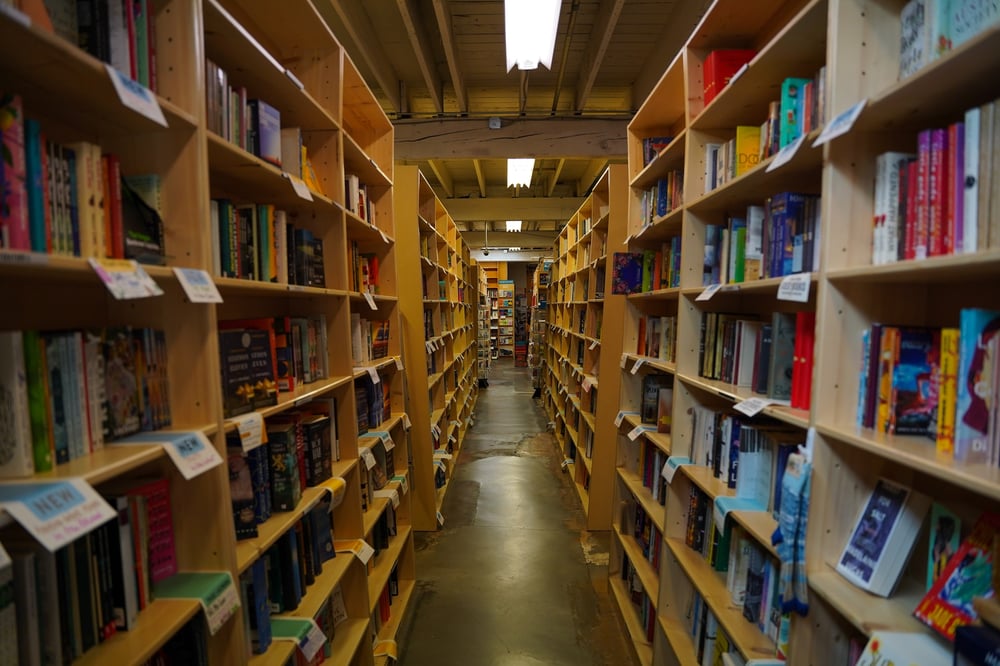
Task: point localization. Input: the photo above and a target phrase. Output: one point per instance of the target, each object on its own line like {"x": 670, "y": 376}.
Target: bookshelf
{"x": 505, "y": 314}
{"x": 484, "y": 345}
{"x": 671, "y": 136}
{"x": 346, "y": 134}
{"x": 439, "y": 293}
{"x": 581, "y": 377}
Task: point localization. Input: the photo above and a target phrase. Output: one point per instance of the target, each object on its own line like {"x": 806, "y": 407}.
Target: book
{"x": 898, "y": 648}
{"x": 241, "y": 491}
{"x": 945, "y": 534}
{"x": 914, "y": 401}
{"x": 884, "y": 533}
{"x": 719, "y": 67}
{"x": 664, "y": 409}
{"x": 626, "y": 272}
{"x": 977, "y": 336}
{"x": 265, "y": 128}
{"x": 947, "y": 392}
{"x": 747, "y": 148}
{"x": 248, "y": 380}
{"x": 948, "y": 604}
{"x": 16, "y": 450}
{"x": 782, "y": 358}
{"x": 14, "y": 226}
{"x": 913, "y": 47}
{"x": 791, "y": 110}
{"x": 651, "y": 386}
{"x": 976, "y": 644}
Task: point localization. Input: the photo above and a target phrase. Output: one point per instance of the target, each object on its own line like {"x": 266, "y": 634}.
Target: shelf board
{"x": 323, "y": 586}
{"x": 680, "y": 641}
{"x": 278, "y": 653}
{"x": 919, "y": 453}
{"x": 357, "y": 162}
{"x": 668, "y": 159}
{"x": 748, "y": 639}
{"x": 796, "y": 417}
{"x": 347, "y": 637}
{"x": 362, "y": 370}
{"x": 100, "y": 466}
{"x": 653, "y": 509}
{"x": 704, "y": 478}
{"x": 661, "y": 440}
{"x": 630, "y": 615}
{"x": 358, "y": 229}
{"x": 160, "y": 620}
{"x": 655, "y": 363}
{"x": 764, "y": 286}
{"x": 866, "y": 611}
{"x": 758, "y": 524}
{"x": 357, "y": 298}
{"x": 378, "y": 576}
{"x": 670, "y": 294}
{"x": 248, "y": 550}
{"x": 934, "y": 270}
{"x": 398, "y": 610}
{"x": 304, "y": 393}
{"x": 376, "y": 508}
{"x": 661, "y": 228}
{"x": 649, "y": 577}
{"x": 258, "y": 289}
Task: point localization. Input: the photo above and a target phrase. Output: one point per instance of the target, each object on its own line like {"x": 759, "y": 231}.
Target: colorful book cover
{"x": 883, "y": 390}
{"x": 863, "y": 555}
{"x": 14, "y": 226}
{"x": 945, "y": 537}
{"x": 266, "y": 122}
{"x": 286, "y": 489}
{"x": 121, "y": 384}
{"x": 664, "y": 409}
{"x": 790, "y": 124}
{"x": 626, "y": 272}
{"x": 747, "y": 148}
{"x": 913, "y": 50}
{"x": 948, "y": 604}
{"x": 914, "y": 374}
{"x": 977, "y": 345}
{"x": 241, "y": 492}
{"x": 247, "y": 371}
{"x": 947, "y": 388}
{"x": 651, "y": 385}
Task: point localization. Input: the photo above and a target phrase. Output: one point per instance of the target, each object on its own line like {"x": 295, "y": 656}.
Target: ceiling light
{"x": 519, "y": 171}
{"x": 513, "y": 226}
{"x": 530, "y": 27}
{"x": 514, "y": 249}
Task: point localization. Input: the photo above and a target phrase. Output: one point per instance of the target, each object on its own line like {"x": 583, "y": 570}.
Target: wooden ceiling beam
{"x": 586, "y": 138}
{"x": 522, "y": 208}
{"x": 443, "y": 176}
{"x": 555, "y": 176}
{"x": 597, "y": 47}
{"x": 421, "y": 50}
{"x": 442, "y": 12}
{"x": 480, "y": 176}
{"x": 355, "y": 25}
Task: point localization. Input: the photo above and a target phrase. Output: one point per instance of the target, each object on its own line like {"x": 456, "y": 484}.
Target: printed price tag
{"x": 388, "y": 649}
{"x": 786, "y": 154}
{"x": 18, "y": 257}
{"x": 404, "y": 485}
{"x": 370, "y": 300}
{"x": 367, "y": 455}
{"x": 670, "y": 467}
{"x": 399, "y": 362}
{"x": 406, "y": 421}
{"x": 841, "y": 124}
{"x": 638, "y": 364}
{"x": 795, "y": 288}
{"x": 304, "y": 632}
{"x": 586, "y": 384}
{"x": 55, "y": 513}
{"x": 359, "y": 547}
{"x": 619, "y": 419}
{"x": 389, "y": 494}
{"x": 251, "y": 429}
{"x": 300, "y": 187}
{"x": 214, "y": 590}
{"x": 136, "y": 96}
{"x": 752, "y": 406}
{"x": 125, "y": 278}
{"x": 593, "y": 345}
{"x": 198, "y": 285}
{"x": 708, "y": 292}
{"x": 440, "y": 519}
{"x": 190, "y": 451}
{"x": 373, "y": 373}
{"x": 624, "y": 361}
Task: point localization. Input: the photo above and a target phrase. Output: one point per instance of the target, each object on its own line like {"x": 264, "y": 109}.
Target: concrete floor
{"x": 512, "y": 579}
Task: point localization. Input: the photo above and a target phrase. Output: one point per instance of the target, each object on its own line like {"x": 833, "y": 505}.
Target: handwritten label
{"x": 795, "y": 288}
{"x": 406, "y": 421}
{"x": 404, "y": 485}
{"x": 389, "y": 494}
{"x": 841, "y": 124}
{"x": 367, "y": 455}
{"x": 370, "y": 300}
{"x": 638, "y": 364}
{"x": 359, "y": 547}
{"x": 304, "y": 632}
{"x": 752, "y": 406}
{"x": 373, "y": 374}
{"x": 125, "y": 278}
{"x": 214, "y": 590}
{"x": 624, "y": 361}
{"x": 136, "y": 96}
{"x": 670, "y": 467}
{"x": 586, "y": 384}
{"x": 300, "y": 187}
{"x": 251, "y": 429}
{"x": 198, "y": 285}
{"x": 55, "y": 513}
{"x": 191, "y": 452}
{"x": 593, "y": 345}
{"x": 708, "y": 292}
{"x": 786, "y": 154}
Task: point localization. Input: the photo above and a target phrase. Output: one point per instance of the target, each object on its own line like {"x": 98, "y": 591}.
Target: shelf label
{"x": 125, "y": 278}
{"x": 190, "y": 451}
{"x": 841, "y": 124}
{"x": 384, "y": 437}
{"x": 359, "y": 547}
{"x": 370, "y": 300}
{"x": 21, "y": 257}
{"x": 406, "y": 421}
{"x": 387, "y": 648}
{"x": 300, "y": 187}
{"x": 621, "y": 417}
{"x": 404, "y": 485}
{"x": 373, "y": 373}
{"x": 670, "y": 467}
{"x": 55, "y": 513}
{"x": 198, "y": 285}
{"x": 214, "y": 590}
{"x": 136, "y": 96}
{"x": 566, "y": 463}
{"x": 399, "y": 362}
{"x": 440, "y": 454}
{"x": 435, "y": 430}
{"x": 251, "y": 429}
{"x": 724, "y": 504}
{"x": 389, "y": 494}
{"x": 637, "y": 431}
{"x": 440, "y": 519}
{"x": 367, "y": 455}
{"x": 298, "y": 84}
{"x": 337, "y": 487}
{"x": 451, "y": 438}
{"x": 708, "y": 292}
{"x": 638, "y": 364}
{"x": 752, "y": 406}
{"x": 795, "y": 287}
{"x": 593, "y": 345}
{"x": 786, "y": 154}
{"x": 624, "y": 361}
{"x": 586, "y": 384}
{"x": 304, "y": 632}
{"x": 628, "y": 239}
{"x": 455, "y": 423}
{"x": 16, "y": 14}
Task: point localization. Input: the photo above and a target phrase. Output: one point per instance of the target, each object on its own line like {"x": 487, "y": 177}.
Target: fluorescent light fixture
{"x": 519, "y": 171}
{"x": 513, "y": 226}
{"x": 530, "y": 27}
{"x": 514, "y": 249}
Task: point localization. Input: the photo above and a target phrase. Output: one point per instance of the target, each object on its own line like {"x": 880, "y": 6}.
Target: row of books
{"x": 938, "y": 201}
{"x": 711, "y": 644}
{"x": 364, "y": 271}
{"x": 68, "y": 601}
{"x": 376, "y": 478}
{"x": 662, "y": 198}
{"x": 644, "y": 606}
{"x": 383, "y": 611}
{"x": 357, "y": 199}
{"x": 373, "y": 403}
{"x": 369, "y": 339}
{"x": 657, "y": 337}
{"x": 657, "y": 401}
{"x": 648, "y": 270}
{"x": 774, "y": 359}
{"x": 69, "y": 392}
{"x": 256, "y": 242}
{"x": 752, "y": 578}
{"x": 646, "y": 460}
{"x": 651, "y": 147}
{"x": 931, "y": 28}
{"x": 72, "y": 199}
{"x": 938, "y": 383}
{"x": 637, "y": 524}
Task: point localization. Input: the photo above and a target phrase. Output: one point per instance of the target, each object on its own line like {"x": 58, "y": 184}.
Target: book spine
{"x": 18, "y": 457}
{"x": 921, "y": 235}
{"x": 970, "y": 182}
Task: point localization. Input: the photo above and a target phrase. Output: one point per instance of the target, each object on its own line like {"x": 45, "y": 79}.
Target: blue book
{"x": 977, "y": 334}
{"x": 710, "y": 272}
{"x": 259, "y": 609}
{"x": 36, "y": 185}
{"x": 914, "y": 402}
{"x": 977, "y": 644}
{"x": 626, "y": 273}
{"x": 265, "y": 129}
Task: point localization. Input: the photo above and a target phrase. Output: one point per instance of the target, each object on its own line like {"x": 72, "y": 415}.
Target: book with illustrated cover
{"x": 948, "y": 604}
{"x": 664, "y": 409}
{"x": 248, "y": 381}
{"x": 241, "y": 492}
{"x": 626, "y": 273}
{"x": 782, "y": 358}
{"x": 651, "y": 385}
{"x": 914, "y": 401}
{"x": 121, "y": 413}
{"x": 976, "y": 358}
{"x": 887, "y": 648}
{"x": 945, "y": 538}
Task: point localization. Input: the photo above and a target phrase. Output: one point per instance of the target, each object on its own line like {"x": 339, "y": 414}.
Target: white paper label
{"x": 566, "y": 463}
{"x": 795, "y": 288}
{"x": 16, "y": 14}
{"x": 841, "y": 124}
{"x": 222, "y": 605}
{"x": 593, "y": 345}
{"x": 786, "y": 154}
{"x": 370, "y": 300}
{"x": 670, "y": 467}
{"x": 406, "y": 421}
{"x": 367, "y": 455}
{"x": 403, "y": 483}
{"x": 636, "y": 432}
{"x": 440, "y": 518}
{"x": 373, "y": 373}
{"x": 389, "y": 494}
{"x": 190, "y": 451}
{"x": 628, "y": 239}
{"x": 198, "y": 285}
{"x": 125, "y": 278}
{"x": 619, "y": 419}
{"x": 136, "y": 96}
{"x": 300, "y": 187}
{"x": 752, "y": 406}
{"x": 624, "y": 361}
{"x": 399, "y": 362}
{"x": 739, "y": 73}
{"x": 387, "y": 442}
{"x": 55, "y": 513}
{"x": 359, "y": 547}
{"x": 586, "y": 384}
{"x": 314, "y": 642}
{"x": 638, "y": 364}
{"x": 4, "y": 558}
{"x": 442, "y": 455}
{"x": 451, "y": 438}
{"x": 708, "y": 292}
{"x": 251, "y": 429}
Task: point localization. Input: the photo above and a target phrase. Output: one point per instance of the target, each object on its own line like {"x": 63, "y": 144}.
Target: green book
{"x": 648, "y": 265}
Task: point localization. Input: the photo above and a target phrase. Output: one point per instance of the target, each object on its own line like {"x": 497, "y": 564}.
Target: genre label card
{"x": 404, "y": 485}
{"x": 359, "y": 547}
{"x": 670, "y": 467}
{"x": 303, "y": 631}
{"x": 251, "y": 429}
{"x": 373, "y": 373}
{"x": 55, "y": 513}
{"x": 370, "y": 300}
{"x": 638, "y": 364}
{"x": 136, "y": 96}
{"x": 708, "y": 292}
{"x": 587, "y": 383}
{"x": 841, "y": 124}
{"x": 786, "y": 154}
{"x": 593, "y": 345}
{"x": 390, "y": 494}
{"x": 198, "y": 285}
{"x": 214, "y": 590}
{"x": 795, "y": 287}
{"x": 125, "y": 278}
{"x": 191, "y": 452}
{"x": 300, "y": 187}
{"x": 368, "y": 457}
{"x": 752, "y": 406}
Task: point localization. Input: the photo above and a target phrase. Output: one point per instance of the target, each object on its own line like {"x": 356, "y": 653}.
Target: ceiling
{"x": 438, "y": 69}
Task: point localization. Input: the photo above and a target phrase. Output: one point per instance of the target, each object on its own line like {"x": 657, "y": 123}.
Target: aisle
{"x": 507, "y": 581}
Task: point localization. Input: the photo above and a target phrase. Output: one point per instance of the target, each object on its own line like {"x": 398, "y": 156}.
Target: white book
{"x": 281, "y": 244}
{"x": 93, "y": 364}
{"x": 291, "y": 151}
{"x": 77, "y": 417}
{"x": 118, "y": 36}
{"x": 970, "y": 203}
{"x": 748, "y": 333}
{"x": 905, "y": 649}
{"x": 15, "y": 431}
{"x": 753, "y": 255}
{"x": 912, "y": 38}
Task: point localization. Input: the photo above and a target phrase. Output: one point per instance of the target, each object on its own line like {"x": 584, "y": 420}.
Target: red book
{"x": 133, "y": 59}
{"x": 910, "y": 223}
{"x": 922, "y": 226}
{"x": 657, "y": 269}
{"x": 952, "y": 165}
{"x": 14, "y": 228}
{"x": 117, "y": 235}
{"x": 807, "y": 359}
{"x": 796, "y": 398}
{"x": 640, "y": 347}
{"x": 937, "y": 192}
{"x": 719, "y": 67}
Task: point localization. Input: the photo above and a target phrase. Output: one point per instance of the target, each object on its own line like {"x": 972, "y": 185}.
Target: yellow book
{"x": 947, "y": 391}
{"x": 747, "y": 148}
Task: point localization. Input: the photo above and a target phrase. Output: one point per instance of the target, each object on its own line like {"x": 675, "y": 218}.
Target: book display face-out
{"x": 274, "y": 185}
{"x": 781, "y": 292}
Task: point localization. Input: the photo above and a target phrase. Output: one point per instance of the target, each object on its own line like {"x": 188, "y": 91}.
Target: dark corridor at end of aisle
{"x": 512, "y": 579}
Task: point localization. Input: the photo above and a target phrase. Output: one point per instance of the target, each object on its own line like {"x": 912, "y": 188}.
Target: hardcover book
{"x": 914, "y": 400}
{"x": 977, "y": 339}
{"x": 664, "y": 409}
{"x": 626, "y": 273}
{"x": 247, "y": 371}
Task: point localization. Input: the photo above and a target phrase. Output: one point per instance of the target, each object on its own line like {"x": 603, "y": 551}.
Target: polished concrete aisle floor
{"x": 512, "y": 579}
